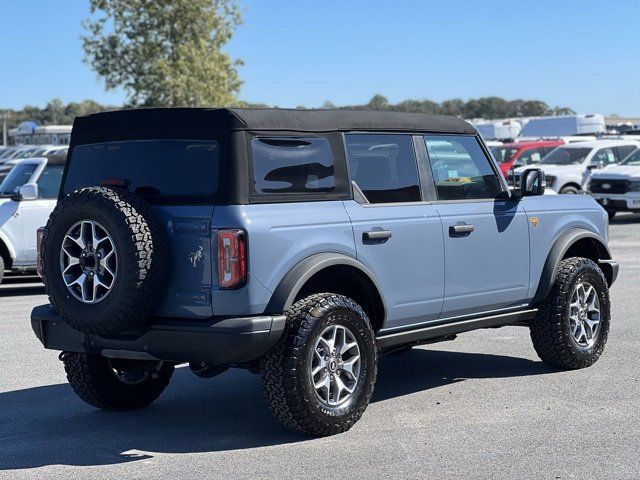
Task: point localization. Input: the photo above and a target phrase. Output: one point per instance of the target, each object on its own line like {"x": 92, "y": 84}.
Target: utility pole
{"x": 5, "y": 115}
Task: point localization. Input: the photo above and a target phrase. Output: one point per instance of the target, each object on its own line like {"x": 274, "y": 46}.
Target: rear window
{"x": 161, "y": 171}
{"x": 293, "y": 165}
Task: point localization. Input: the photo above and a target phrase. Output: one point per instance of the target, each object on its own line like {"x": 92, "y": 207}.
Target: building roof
{"x": 271, "y": 119}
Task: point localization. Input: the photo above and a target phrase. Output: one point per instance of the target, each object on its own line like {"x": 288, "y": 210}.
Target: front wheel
{"x": 116, "y": 384}
{"x": 320, "y": 376}
{"x": 569, "y": 190}
{"x": 572, "y": 325}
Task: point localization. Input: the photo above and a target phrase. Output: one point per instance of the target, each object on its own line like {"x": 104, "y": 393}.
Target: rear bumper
{"x": 216, "y": 341}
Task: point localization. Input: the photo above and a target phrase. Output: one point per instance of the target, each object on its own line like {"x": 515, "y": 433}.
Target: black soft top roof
{"x": 271, "y": 119}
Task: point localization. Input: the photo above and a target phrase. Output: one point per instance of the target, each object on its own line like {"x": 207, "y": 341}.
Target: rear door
{"x": 178, "y": 178}
{"x": 486, "y": 240}
{"x": 397, "y": 235}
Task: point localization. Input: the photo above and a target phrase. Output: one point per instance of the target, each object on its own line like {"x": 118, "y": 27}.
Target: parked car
{"x": 520, "y": 154}
{"x": 301, "y": 245}
{"x": 28, "y": 195}
{"x": 5, "y": 152}
{"x": 568, "y": 168}
{"x": 617, "y": 188}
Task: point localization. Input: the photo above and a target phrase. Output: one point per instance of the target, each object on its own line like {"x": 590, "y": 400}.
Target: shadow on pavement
{"x": 49, "y": 425}
{"x": 18, "y": 285}
{"x": 625, "y": 219}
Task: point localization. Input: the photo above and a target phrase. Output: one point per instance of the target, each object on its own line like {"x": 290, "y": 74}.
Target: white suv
{"x": 617, "y": 188}
{"x": 28, "y": 194}
{"x": 569, "y": 167}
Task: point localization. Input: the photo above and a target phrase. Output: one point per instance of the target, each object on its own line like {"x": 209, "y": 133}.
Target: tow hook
{"x": 63, "y": 356}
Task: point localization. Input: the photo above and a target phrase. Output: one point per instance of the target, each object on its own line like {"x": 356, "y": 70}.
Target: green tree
{"x": 164, "y": 52}
{"x": 378, "y": 102}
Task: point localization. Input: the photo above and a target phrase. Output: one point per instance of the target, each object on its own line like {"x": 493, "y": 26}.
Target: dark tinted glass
{"x": 49, "y": 181}
{"x": 461, "y": 170}
{"x": 158, "y": 170}
{"x": 384, "y": 167}
{"x": 625, "y": 150}
{"x": 293, "y": 165}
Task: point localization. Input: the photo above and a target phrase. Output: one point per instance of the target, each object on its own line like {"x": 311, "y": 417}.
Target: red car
{"x": 518, "y": 154}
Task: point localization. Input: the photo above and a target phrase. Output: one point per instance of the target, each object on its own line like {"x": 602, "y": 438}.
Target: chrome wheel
{"x": 335, "y": 365}
{"x": 584, "y": 314}
{"x": 88, "y": 261}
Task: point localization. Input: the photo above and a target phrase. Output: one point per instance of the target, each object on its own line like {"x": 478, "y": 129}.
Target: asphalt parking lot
{"x": 482, "y": 406}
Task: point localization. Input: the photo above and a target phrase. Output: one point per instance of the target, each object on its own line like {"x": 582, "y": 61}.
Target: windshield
{"x": 18, "y": 176}
{"x": 633, "y": 159}
{"x": 566, "y": 156}
{"x": 161, "y": 171}
{"x": 503, "y": 154}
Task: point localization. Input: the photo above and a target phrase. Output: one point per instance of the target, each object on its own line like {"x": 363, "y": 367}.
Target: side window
{"x": 624, "y": 151}
{"x": 461, "y": 170}
{"x": 533, "y": 155}
{"x": 604, "y": 155}
{"x": 49, "y": 181}
{"x": 293, "y": 165}
{"x": 384, "y": 167}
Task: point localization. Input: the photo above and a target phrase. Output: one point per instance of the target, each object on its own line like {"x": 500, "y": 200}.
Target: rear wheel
{"x": 572, "y": 325}
{"x": 320, "y": 377}
{"x": 116, "y": 384}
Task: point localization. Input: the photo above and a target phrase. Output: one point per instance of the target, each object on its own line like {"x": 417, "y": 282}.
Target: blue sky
{"x": 576, "y": 53}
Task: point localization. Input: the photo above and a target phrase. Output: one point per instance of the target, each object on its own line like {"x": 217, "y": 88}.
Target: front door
{"x": 486, "y": 240}
{"x": 397, "y": 236}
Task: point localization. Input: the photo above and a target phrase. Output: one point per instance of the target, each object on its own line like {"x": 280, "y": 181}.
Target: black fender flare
{"x": 557, "y": 253}
{"x": 293, "y": 281}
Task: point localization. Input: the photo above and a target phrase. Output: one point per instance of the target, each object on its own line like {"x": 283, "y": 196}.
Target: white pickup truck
{"x": 617, "y": 188}
{"x": 569, "y": 167}
{"x": 28, "y": 194}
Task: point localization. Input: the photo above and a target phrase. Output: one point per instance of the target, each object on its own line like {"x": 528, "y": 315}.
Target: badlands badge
{"x": 534, "y": 221}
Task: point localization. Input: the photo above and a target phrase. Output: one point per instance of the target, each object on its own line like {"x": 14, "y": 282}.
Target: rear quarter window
{"x": 293, "y": 165}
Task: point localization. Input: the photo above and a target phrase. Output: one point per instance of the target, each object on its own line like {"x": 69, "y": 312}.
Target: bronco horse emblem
{"x": 195, "y": 257}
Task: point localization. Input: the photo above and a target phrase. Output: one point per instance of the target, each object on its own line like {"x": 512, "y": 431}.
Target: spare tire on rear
{"x": 103, "y": 260}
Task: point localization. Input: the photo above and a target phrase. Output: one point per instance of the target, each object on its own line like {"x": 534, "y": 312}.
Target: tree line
{"x": 57, "y": 112}
{"x": 484, "y": 107}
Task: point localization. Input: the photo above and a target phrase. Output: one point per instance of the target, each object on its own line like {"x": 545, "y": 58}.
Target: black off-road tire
{"x": 551, "y": 330}
{"x": 286, "y": 377}
{"x": 94, "y": 381}
{"x": 141, "y": 255}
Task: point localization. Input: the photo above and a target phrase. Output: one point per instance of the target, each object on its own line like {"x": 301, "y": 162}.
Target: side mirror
{"x": 532, "y": 182}
{"x": 29, "y": 191}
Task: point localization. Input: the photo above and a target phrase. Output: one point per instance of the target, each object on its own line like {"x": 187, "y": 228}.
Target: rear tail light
{"x": 232, "y": 258}
{"x": 39, "y": 234}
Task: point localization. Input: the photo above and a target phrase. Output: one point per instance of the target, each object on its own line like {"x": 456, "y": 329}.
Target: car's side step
{"x": 419, "y": 335}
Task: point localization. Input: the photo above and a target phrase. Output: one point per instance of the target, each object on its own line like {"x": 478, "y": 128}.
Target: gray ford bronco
{"x": 302, "y": 245}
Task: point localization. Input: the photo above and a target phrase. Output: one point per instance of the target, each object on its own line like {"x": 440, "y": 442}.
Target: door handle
{"x": 462, "y": 228}
{"x": 377, "y": 235}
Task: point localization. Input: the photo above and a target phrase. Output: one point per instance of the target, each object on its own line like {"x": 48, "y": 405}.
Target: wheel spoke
{"x": 350, "y": 365}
